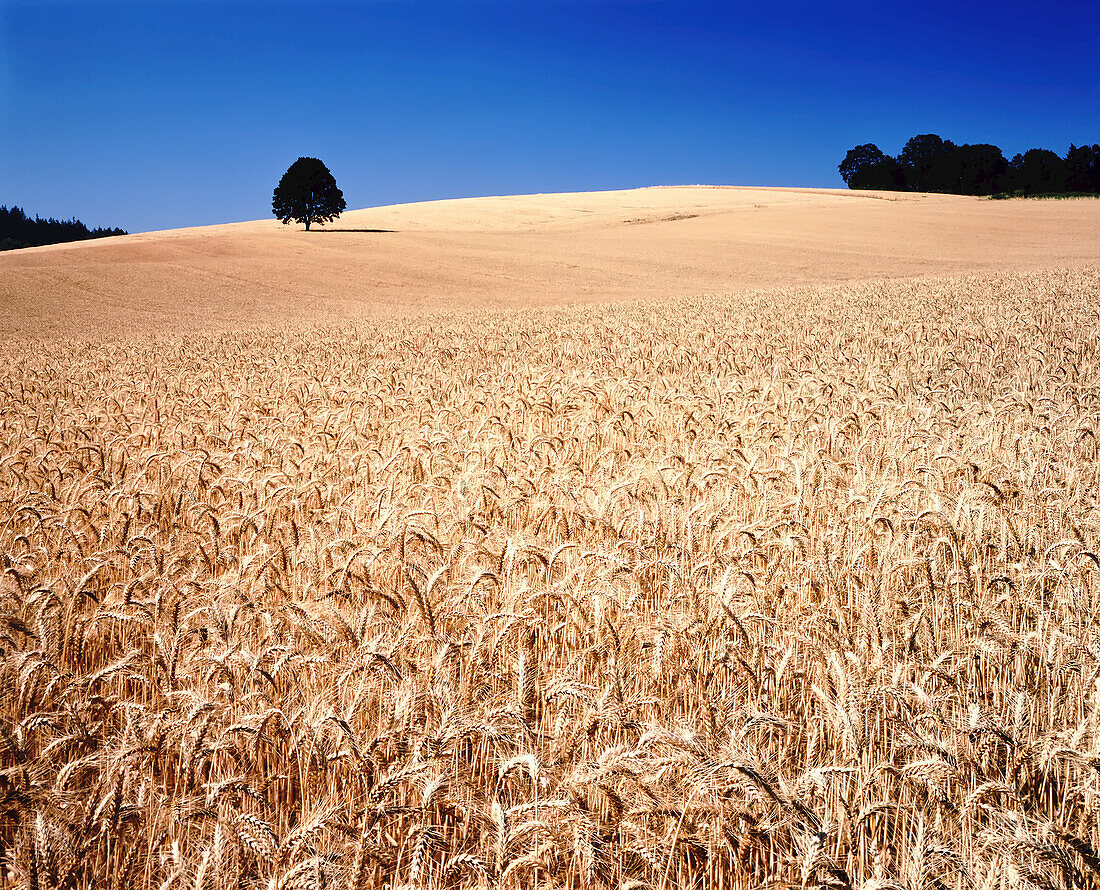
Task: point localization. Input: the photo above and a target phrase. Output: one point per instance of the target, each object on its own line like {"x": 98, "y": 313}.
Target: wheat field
{"x": 794, "y": 588}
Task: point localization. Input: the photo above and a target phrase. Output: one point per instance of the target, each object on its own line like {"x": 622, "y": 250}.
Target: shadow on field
{"x": 368, "y": 231}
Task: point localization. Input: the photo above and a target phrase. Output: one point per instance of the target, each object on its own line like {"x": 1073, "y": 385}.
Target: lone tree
{"x": 307, "y": 193}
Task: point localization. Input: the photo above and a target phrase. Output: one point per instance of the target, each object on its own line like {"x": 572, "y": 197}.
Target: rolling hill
{"x": 528, "y": 250}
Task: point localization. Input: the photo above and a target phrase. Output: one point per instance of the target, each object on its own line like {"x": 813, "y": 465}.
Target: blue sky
{"x": 151, "y": 114}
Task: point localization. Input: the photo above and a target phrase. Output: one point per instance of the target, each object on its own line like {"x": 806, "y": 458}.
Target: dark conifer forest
{"x": 19, "y": 230}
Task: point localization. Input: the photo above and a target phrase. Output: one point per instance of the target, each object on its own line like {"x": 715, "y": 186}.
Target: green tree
{"x": 930, "y": 164}
{"x": 982, "y": 169}
{"x": 866, "y": 167}
{"x": 307, "y": 193}
{"x": 1083, "y": 168}
{"x": 1039, "y": 171}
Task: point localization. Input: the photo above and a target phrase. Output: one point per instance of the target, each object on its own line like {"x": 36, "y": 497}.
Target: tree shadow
{"x": 366, "y": 231}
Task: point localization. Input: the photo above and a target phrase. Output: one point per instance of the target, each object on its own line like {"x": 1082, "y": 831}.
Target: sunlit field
{"x": 791, "y": 589}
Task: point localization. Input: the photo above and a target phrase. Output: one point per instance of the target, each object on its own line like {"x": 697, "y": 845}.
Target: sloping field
{"x": 785, "y": 587}
{"x": 532, "y": 250}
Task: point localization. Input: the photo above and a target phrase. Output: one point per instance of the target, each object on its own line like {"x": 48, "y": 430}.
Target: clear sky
{"x": 151, "y": 114}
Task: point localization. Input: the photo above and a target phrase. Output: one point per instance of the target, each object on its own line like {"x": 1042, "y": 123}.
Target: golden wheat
{"x": 789, "y": 589}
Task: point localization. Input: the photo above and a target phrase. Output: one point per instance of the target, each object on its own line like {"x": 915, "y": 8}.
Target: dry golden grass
{"x": 794, "y": 588}
{"x": 523, "y": 251}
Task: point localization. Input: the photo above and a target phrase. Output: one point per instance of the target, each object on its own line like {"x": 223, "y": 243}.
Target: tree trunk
{"x": 307, "y": 225}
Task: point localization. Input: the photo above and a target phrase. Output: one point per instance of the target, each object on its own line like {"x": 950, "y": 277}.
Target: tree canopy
{"x": 1083, "y": 168}
{"x": 929, "y": 163}
{"x": 1039, "y": 171}
{"x": 307, "y": 193}
{"x": 866, "y": 167}
{"x": 982, "y": 169}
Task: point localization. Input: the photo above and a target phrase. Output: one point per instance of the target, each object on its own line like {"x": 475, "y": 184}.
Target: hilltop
{"x": 527, "y": 250}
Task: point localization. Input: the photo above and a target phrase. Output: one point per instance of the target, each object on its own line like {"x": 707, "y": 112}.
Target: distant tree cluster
{"x": 19, "y": 230}
{"x": 930, "y": 164}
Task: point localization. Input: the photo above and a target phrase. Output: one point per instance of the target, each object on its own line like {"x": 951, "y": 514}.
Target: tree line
{"x": 928, "y": 163}
{"x": 19, "y": 230}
